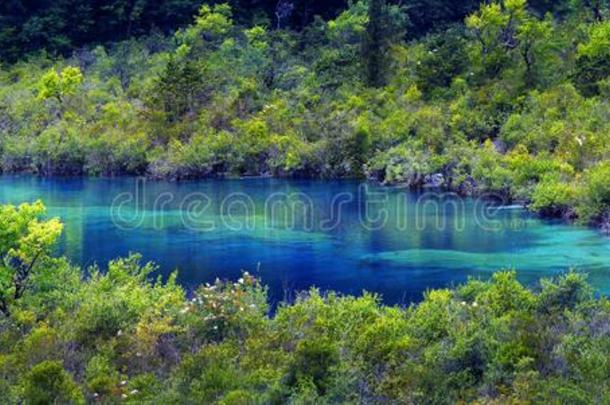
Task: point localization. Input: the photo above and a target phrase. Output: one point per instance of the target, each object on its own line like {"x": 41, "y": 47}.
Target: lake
{"x": 345, "y": 236}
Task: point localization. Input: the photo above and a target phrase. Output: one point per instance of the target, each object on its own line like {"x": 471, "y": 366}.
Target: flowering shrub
{"x": 226, "y": 309}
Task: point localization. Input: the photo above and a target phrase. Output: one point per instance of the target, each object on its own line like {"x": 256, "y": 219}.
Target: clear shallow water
{"x": 343, "y": 236}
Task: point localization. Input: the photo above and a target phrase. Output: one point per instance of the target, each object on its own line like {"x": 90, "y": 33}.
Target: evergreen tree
{"x": 374, "y": 47}
{"x": 385, "y": 26}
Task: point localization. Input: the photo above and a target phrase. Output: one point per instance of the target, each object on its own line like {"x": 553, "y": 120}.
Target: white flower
{"x": 124, "y": 396}
{"x": 124, "y": 382}
{"x": 474, "y": 304}
{"x": 240, "y": 281}
{"x": 133, "y": 392}
{"x": 119, "y": 333}
{"x": 463, "y": 302}
{"x": 95, "y": 395}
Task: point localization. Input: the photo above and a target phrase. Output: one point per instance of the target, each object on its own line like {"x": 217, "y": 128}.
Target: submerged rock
{"x": 468, "y": 186}
{"x": 604, "y": 224}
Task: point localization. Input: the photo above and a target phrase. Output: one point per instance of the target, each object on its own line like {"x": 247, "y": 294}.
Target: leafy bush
{"x": 125, "y": 337}
{"x": 49, "y": 383}
{"x": 593, "y": 59}
{"x": 553, "y": 198}
{"x": 594, "y": 194}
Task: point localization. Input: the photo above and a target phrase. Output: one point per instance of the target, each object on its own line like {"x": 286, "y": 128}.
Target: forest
{"x": 507, "y": 97}
{"x": 62, "y": 25}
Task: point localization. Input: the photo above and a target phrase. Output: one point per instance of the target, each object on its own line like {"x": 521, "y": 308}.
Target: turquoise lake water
{"x": 340, "y": 235}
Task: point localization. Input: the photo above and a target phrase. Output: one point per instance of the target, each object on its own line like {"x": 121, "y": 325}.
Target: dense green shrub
{"x": 594, "y": 194}
{"x": 593, "y": 59}
{"x": 489, "y": 340}
{"x": 553, "y": 198}
{"x": 48, "y": 383}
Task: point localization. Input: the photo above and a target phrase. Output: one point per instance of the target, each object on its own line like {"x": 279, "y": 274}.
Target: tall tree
{"x": 25, "y": 241}
{"x": 385, "y": 26}
{"x": 426, "y": 15}
{"x": 374, "y": 44}
{"x": 593, "y": 59}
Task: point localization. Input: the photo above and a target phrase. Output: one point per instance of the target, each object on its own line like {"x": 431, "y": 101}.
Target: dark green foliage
{"x": 589, "y": 71}
{"x": 565, "y": 293}
{"x": 443, "y": 59}
{"x": 384, "y": 27}
{"x": 178, "y": 90}
{"x": 62, "y": 25}
{"x": 313, "y": 363}
{"x": 426, "y": 15}
{"x": 59, "y": 26}
{"x": 49, "y": 383}
{"x": 375, "y": 47}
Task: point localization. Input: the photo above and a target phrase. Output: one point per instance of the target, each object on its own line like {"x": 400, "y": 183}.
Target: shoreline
{"x": 470, "y": 190}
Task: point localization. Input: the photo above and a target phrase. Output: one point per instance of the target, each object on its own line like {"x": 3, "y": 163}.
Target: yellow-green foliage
{"x": 497, "y": 103}
{"x": 25, "y": 243}
{"x": 60, "y": 85}
{"x": 553, "y": 196}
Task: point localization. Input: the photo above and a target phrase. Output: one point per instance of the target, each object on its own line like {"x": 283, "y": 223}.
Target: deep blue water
{"x": 339, "y": 235}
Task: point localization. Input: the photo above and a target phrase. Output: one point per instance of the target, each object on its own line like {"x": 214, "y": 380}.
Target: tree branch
{"x": 22, "y": 275}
